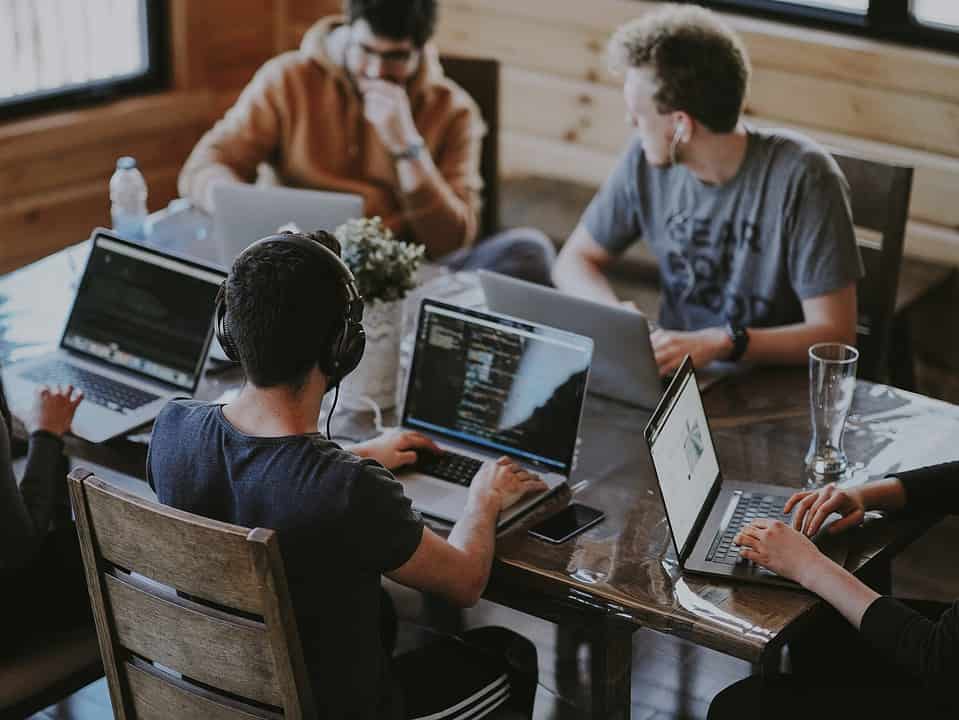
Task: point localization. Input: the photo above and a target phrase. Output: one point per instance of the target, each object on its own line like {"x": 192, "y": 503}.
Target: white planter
{"x": 375, "y": 378}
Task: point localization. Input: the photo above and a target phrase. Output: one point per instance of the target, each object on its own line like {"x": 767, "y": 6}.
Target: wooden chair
{"x": 480, "y": 78}
{"x": 880, "y": 205}
{"x": 193, "y": 616}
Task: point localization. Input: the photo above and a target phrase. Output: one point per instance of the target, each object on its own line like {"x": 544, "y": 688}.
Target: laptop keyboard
{"x": 449, "y": 466}
{"x": 96, "y": 388}
{"x": 749, "y": 507}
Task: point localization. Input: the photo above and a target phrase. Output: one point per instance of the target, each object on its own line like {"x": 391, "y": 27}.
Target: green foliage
{"x": 383, "y": 266}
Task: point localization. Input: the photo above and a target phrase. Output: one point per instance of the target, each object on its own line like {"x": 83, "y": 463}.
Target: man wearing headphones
{"x": 290, "y": 313}
{"x": 752, "y": 228}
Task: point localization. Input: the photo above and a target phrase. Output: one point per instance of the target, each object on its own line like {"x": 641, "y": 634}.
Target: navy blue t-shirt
{"x": 342, "y": 522}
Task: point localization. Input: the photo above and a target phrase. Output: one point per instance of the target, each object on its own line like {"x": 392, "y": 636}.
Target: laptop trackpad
{"x": 433, "y": 496}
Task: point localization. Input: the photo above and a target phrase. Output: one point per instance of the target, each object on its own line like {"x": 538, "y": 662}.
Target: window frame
{"x": 156, "y": 76}
{"x": 889, "y": 20}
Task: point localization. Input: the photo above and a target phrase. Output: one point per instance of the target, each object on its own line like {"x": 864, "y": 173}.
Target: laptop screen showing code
{"x": 143, "y": 312}
{"x": 498, "y": 383}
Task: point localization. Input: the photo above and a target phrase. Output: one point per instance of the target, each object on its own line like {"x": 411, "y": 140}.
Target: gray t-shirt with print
{"x": 748, "y": 251}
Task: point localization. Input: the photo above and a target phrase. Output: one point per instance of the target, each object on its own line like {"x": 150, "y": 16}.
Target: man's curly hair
{"x": 700, "y": 64}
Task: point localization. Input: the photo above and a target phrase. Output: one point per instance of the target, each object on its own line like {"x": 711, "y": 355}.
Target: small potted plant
{"x": 385, "y": 270}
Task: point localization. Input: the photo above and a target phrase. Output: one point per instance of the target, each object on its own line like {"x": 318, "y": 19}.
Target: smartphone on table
{"x": 567, "y": 523}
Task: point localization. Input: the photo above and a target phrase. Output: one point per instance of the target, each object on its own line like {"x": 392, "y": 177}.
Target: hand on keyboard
{"x": 54, "y": 408}
{"x": 396, "y": 448}
{"x": 503, "y": 482}
{"x": 778, "y": 547}
{"x": 812, "y": 508}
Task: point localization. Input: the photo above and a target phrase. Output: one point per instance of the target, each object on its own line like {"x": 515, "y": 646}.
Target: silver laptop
{"x": 624, "y": 367}
{"x": 245, "y": 213}
{"x": 483, "y": 386}
{"x": 137, "y": 335}
{"x": 704, "y": 510}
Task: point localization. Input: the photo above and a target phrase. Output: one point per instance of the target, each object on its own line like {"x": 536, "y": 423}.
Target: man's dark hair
{"x": 701, "y": 65}
{"x": 284, "y": 306}
{"x": 396, "y": 19}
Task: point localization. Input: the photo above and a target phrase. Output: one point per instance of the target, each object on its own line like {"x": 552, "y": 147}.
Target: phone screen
{"x": 572, "y": 519}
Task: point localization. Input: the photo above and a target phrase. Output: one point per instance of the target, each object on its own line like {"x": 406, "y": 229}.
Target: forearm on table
{"x": 789, "y": 344}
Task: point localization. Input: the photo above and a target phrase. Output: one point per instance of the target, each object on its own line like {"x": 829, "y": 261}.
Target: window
{"x": 856, "y": 6}
{"x": 942, "y": 13}
{"x": 60, "y": 53}
{"x": 932, "y": 23}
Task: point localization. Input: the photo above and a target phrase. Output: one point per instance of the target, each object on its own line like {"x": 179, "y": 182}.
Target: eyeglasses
{"x": 391, "y": 58}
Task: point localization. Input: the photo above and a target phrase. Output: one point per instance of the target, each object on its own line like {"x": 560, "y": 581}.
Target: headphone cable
{"x": 329, "y": 416}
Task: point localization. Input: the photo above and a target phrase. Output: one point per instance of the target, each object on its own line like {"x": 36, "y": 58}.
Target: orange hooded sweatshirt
{"x": 301, "y": 114}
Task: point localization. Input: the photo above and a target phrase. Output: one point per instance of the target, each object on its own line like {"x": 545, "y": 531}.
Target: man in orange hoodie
{"x": 364, "y": 107}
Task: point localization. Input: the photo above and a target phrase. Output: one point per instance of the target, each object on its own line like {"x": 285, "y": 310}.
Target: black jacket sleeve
{"x": 932, "y": 488}
{"x": 26, "y": 511}
{"x": 926, "y": 649}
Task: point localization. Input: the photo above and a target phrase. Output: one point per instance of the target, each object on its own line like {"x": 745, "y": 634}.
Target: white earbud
{"x": 674, "y": 144}
{"x": 679, "y": 132}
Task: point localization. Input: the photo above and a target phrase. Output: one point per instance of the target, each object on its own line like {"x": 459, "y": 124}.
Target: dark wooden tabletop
{"x": 624, "y": 568}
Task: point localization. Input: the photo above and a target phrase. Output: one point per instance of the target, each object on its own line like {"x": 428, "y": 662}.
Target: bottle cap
{"x": 126, "y": 163}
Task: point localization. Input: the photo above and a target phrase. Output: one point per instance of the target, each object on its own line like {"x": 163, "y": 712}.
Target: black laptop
{"x": 705, "y": 511}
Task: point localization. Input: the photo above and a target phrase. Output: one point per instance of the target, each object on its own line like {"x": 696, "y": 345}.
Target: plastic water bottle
{"x": 128, "y": 199}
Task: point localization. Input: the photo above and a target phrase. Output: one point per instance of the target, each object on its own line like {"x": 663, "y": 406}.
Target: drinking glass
{"x": 832, "y": 382}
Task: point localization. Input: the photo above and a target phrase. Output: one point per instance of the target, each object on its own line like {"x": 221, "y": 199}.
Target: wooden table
{"x": 622, "y": 574}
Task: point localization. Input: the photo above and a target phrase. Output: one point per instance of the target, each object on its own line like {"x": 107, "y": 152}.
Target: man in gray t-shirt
{"x": 752, "y": 229}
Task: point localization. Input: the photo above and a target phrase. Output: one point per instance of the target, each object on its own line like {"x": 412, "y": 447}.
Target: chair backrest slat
{"x": 191, "y": 613}
{"x": 479, "y": 77}
{"x": 232, "y": 654}
{"x": 163, "y": 547}
{"x": 157, "y": 698}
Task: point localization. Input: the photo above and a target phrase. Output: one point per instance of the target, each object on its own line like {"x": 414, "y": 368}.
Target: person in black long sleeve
{"x": 907, "y": 656}
{"x": 41, "y": 573}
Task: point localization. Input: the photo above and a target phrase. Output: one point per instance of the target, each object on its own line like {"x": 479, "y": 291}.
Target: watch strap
{"x": 411, "y": 151}
{"x": 740, "y": 338}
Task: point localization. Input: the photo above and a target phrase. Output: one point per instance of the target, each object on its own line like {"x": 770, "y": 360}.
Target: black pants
{"x": 48, "y": 596}
{"x": 461, "y": 677}
{"x": 835, "y": 675}
{"x": 465, "y": 675}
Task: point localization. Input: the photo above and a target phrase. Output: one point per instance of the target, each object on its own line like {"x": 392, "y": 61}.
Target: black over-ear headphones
{"x": 349, "y": 340}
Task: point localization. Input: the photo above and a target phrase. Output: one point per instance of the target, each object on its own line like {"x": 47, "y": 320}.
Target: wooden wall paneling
{"x": 34, "y": 228}
{"x": 900, "y": 117}
{"x": 770, "y": 44}
{"x": 61, "y": 132}
{"x": 850, "y": 59}
{"x": 93, "y": 163}
{"x": 895, "y": 117}
{"x": 55, "y": 169}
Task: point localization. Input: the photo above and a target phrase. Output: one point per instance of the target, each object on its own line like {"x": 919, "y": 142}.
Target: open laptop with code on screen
{"x": 136, "y": 336}
{"x": 482, "y": 386}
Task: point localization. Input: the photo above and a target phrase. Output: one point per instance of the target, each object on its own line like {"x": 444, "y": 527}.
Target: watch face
{"x": 740, "y": 340}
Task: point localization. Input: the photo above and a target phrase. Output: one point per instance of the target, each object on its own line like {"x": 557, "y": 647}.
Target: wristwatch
{"x": 411, "y": 151}
{"x": 740, "y": 337}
